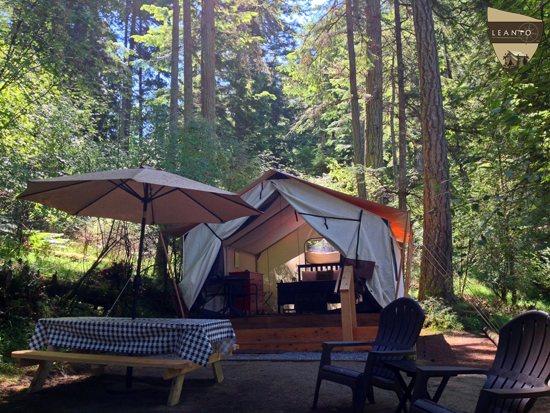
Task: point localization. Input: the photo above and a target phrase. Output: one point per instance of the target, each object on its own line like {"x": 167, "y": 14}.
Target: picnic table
{"x": 177, "y": 345}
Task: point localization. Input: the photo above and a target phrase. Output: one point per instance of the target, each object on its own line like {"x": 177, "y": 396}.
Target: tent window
{"x": 320, "y": 251}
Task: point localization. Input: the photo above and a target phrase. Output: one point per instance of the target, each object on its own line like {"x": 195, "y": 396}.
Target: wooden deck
{"x": 297, "y": 332}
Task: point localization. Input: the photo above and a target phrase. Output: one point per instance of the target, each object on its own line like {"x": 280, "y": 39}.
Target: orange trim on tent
{"x": 396, "y": 216}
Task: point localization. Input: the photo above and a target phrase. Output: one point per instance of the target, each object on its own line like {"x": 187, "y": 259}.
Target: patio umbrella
{"x": 143, "y": 195}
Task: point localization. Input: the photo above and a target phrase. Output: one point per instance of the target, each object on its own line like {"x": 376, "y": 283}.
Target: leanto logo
{"x": 515, "y": 37}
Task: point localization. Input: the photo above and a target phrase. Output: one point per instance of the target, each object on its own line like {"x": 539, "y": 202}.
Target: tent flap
{"x": 359, "y": 233}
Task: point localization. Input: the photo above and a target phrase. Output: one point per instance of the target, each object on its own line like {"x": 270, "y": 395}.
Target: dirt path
{"x": 459, "y": 349}
{"x": 250, "y": 386}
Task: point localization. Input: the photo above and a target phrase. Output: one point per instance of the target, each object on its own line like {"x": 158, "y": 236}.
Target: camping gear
{"x": 518, "y": 376}
{"x": 400, "y": 325}
{"x": 364, "y": 232}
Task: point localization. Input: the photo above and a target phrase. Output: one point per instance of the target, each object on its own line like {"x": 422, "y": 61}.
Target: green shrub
{"x": 23, "y": 300}
{"x": 440, "y": 316}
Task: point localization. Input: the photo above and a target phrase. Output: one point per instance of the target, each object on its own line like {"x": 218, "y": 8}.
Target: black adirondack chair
{"x": 400, "y": 325}
{"x": 519, "y": 375}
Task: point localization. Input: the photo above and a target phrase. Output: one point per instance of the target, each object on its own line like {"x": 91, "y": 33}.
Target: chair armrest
{"x": 393, "y": 353}
{"x": 328, "y": 346}
{"x": 518, "y": 393}
{"x": 424, "y": 373}
{"x": 447, "y": 371}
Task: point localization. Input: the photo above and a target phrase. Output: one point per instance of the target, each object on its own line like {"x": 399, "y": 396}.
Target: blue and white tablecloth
{"x": 190, "y": 339}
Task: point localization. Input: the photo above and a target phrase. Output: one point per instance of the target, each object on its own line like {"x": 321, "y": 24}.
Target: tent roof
{"x": 259, "y": 233}
{"x": 397, "y": 217}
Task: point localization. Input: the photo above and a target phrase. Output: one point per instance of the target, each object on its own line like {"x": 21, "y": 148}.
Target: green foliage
{"x": 23, "y": 300}
{"x": 440, "y": 316}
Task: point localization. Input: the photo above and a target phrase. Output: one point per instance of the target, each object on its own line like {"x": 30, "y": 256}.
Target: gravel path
{"x": 250, "y": 386}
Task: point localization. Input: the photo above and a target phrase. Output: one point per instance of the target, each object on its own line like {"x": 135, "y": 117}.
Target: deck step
{"x": 300, "y": 321}
{"x": 296, "y": 339}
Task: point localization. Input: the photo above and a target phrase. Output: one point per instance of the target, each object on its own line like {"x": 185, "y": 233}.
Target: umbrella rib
{"x": 54, "y": 189}
{"x": 201, "y": 205}
{"x": 95, "y": 200}
{"x": 155, "y": 194}
{"x": 125, "y": 187}
{"x": 154, "y": 197}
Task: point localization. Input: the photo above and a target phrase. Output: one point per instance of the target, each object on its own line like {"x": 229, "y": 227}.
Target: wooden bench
{"x": 174, "y": 369}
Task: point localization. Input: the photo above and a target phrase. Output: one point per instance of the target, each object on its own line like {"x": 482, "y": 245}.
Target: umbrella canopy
{"x": 121, "y": 194}
{"x": 145, "y": 194}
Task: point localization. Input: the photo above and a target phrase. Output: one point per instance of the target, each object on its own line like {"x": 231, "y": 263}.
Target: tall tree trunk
{"x": 126, "y": 104}
{"x": 392, "y": 126}
{"x": 140, "y": 81}
{"x": 436, "y": 277}
{"x": 208, "y": 59}
{"x": 358, "y": 144}
{"x": 187, "y": 63}
{"x": 373, "y": 109}
{"x": 447, "y": 61}
{"x": 174, "y": 78}
{"x": 402, "y": 191}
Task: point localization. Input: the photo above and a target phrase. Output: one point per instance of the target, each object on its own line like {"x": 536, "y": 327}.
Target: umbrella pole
{"x": 137, "y": 279}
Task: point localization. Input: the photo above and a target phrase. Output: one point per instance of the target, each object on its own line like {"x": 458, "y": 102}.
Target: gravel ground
{"x": 300, "y": 356}
{"x": 249, "y": 386}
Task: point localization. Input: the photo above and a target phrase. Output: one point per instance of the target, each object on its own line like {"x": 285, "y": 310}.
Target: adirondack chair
{"x": 519, "y": 375}
{"x": 400, "y": 325}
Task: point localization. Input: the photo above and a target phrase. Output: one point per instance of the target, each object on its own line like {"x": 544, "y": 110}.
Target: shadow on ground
{"x": 257, "y": 386}
{"x": 252, "y": 386}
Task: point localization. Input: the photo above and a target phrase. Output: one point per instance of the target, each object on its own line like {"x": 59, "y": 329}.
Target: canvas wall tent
{"x": 294, "y": 211}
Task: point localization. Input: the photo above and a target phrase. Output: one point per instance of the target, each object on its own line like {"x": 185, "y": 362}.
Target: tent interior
{"x": 273, "y": 246}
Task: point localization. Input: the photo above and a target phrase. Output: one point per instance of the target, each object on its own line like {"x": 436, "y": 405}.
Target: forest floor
{"x": 249, "y": 386}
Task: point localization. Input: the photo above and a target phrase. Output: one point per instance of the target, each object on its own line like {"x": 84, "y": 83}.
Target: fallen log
{"x": 96, "y": 296}
{"x": 491, "y": 335}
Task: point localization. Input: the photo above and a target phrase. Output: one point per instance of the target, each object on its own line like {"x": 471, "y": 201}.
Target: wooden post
{"x": 41, "y": 373}
{"x": 175, "y": 390}
{"x": 409, "y": 264}
{"x": 347, "y": 298}
{"x": 402, "y": 256}
{"x": 218, "y": 372}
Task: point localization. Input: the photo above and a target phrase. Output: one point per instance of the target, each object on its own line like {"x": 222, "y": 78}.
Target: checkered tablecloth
{"x": 190, "y": 339}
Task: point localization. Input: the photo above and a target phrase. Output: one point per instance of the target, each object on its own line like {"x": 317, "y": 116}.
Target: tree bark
{"x": 358, "y": 144}
{"x": 436, "y": 277}
{"x": 373, "y": 108}
{"x": 447, "y": 61}
{"x": 174, "y": 78}
{"x": 127, "y": 86}
{"x": 140, "y": 82}
{"x": 187, "y": 63}
{"x": 392, "y": 126}
{"x": 208, "y": 59}
{"x": 402, "y": 191}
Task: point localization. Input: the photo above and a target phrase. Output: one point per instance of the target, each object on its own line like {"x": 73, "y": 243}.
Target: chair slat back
{"x": 522, "y": 360}
{"x": 400, "y": 324}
